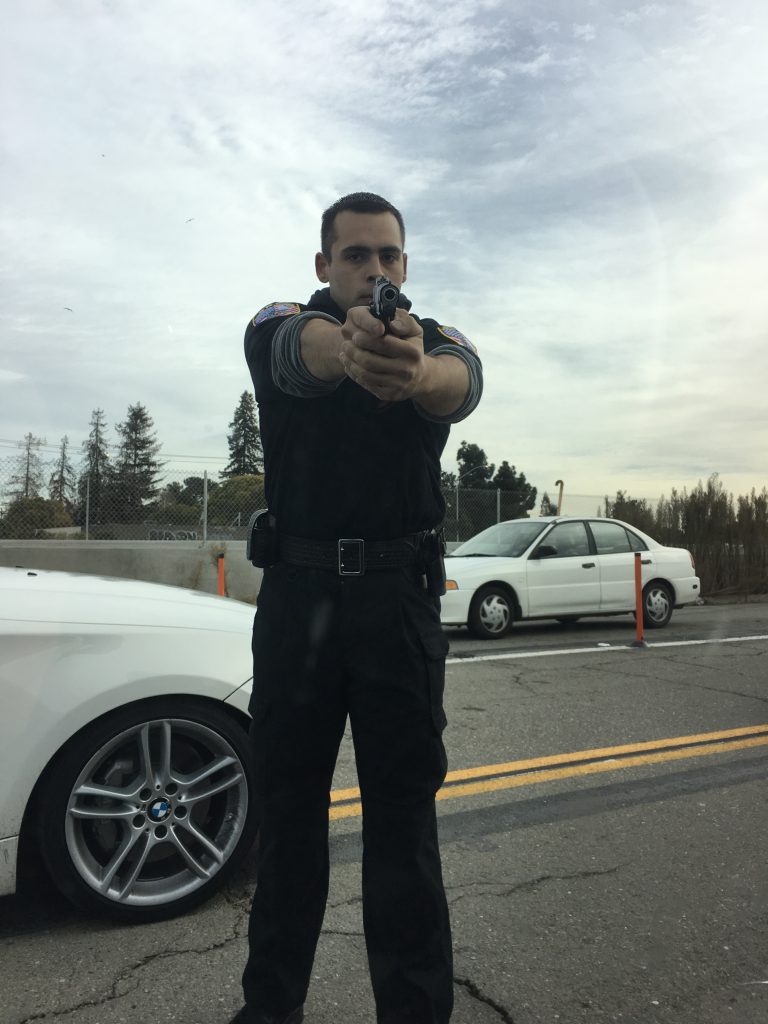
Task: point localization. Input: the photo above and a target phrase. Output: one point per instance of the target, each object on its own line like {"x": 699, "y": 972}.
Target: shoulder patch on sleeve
{"x": 454, "y": 335}
{"x": 275, "y": 309}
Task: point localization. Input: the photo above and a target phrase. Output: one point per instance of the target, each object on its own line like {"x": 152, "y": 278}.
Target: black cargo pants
{"x": 370, "y": 647}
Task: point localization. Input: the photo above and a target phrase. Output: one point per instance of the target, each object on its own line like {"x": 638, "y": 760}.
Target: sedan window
{"x": 569, "y": 539}
{"x": 636, "y": 543}
{"x": 610, "y": 538}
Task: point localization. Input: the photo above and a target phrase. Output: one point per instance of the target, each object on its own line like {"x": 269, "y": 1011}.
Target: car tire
{"x": 658, "y": 605}
{"x": 491, "y": 613}
{"x": 148, "y": 810}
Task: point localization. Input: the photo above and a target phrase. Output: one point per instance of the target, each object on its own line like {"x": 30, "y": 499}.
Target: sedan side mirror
{"x": 544, "y": 551}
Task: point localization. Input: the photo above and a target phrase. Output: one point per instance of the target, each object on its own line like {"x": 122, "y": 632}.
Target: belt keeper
{"x": 351, "y": 556}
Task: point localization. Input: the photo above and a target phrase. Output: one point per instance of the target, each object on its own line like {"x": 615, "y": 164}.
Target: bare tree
{"x": 27, "y": 481}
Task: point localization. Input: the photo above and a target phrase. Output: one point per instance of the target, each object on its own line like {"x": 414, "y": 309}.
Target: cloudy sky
{"x": 585, "y": 187}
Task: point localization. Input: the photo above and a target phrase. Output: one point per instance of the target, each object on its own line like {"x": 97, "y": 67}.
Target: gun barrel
{"x": 384, "y": 302}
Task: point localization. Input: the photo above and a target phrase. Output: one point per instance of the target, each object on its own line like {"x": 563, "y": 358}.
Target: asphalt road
{"x": 604, "y": 830}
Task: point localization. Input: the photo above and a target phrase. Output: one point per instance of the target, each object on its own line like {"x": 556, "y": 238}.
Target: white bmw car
{"x": 562, "y": 568}
{"x": 124, "y": 739}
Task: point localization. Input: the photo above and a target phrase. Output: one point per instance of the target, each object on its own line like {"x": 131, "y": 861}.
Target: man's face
{"x": 367, "y": 245}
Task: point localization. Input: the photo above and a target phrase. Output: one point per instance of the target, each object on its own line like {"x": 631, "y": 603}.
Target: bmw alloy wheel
{"x": 154, "y": 815}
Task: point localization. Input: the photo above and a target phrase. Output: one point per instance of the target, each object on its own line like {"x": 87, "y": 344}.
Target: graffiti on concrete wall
{"x": 173, "y": 535}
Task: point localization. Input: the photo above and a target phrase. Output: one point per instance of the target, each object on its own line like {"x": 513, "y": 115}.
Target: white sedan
{"x": 562, "y": 568}
{"x": 124, "y": 739}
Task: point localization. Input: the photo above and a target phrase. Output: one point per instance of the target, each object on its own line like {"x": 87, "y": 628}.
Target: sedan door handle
{"x": 587, "y": 565}
{"x": 646, "y": 561}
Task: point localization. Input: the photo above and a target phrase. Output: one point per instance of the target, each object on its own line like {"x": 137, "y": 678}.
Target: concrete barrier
{"x": 178, "y": 563}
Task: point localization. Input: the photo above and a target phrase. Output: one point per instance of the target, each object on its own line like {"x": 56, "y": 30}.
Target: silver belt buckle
{"x": 351, "y": 556}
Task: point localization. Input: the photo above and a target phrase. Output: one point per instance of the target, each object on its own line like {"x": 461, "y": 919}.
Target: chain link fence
{"x": 183, "y": 505}
{"x": 37, "y": 503}
{"x": 728, "y": 537}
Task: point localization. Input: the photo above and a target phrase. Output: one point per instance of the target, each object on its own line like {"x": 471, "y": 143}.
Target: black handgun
{"x": 384, "y": 302}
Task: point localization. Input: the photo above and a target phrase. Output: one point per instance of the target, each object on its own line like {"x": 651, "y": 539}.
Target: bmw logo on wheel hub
{"x": 159, "y": 810}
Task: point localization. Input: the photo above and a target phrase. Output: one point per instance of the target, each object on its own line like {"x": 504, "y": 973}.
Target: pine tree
{"x": 635, "y": 511}
{"x": 246, "y": 456}
{"x": 134, "y": 479}
{"x": 548, "y": 507}
{"x": 92, "y": 485}
{"x": 62, "y": 483}
{"x": 27, "y": 481}
{"x": 474, "y": 471}
{"x": 518, "y": 496}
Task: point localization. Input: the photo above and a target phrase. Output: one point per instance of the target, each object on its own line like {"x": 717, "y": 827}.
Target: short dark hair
{"x": 357, "y": 202}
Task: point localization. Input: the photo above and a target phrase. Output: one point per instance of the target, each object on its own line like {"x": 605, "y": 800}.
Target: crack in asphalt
{"x": 239, "y": 901}
{"x": 530, "y": 883}
{"x": 469, "y": 986}
{"x": 516, "y": 679}
{"x": 346, "y": 903}
{"x": 124, "y": 976}
{"x": 240, "y": 905}
{"x": 720, "y": 689}
{"x": 653, "y": 678}
{"x": 714, "y": 689}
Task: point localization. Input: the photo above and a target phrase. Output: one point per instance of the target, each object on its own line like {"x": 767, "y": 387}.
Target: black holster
{"x": 433, "y": 559}
{"x": 261, "y": 543}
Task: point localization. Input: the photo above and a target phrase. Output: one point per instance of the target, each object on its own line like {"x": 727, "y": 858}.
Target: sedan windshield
{"x": 509, "y": 540}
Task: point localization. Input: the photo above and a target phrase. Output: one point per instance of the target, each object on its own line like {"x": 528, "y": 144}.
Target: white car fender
{"x": 69, "y": 680}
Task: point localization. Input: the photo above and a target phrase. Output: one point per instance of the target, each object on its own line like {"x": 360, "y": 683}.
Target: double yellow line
{"x": 345, "y": 803}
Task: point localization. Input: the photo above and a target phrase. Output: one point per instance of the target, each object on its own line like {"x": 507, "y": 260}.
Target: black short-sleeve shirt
{"x": 341, "y": 463}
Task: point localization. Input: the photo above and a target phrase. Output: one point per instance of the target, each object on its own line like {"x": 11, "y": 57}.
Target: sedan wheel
{"x": 658, "y": 605}
{"x": 490, "y": 615}
{"x": 149, "y": 810}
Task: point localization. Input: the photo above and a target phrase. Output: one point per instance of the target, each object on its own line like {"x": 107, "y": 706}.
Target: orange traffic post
{"x": 220, "y": 562}
{"x": 639, "y": 640}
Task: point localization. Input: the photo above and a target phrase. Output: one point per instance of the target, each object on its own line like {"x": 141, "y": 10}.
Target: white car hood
{"x": 482, "y": 566}
{"x": 36, "y": 595}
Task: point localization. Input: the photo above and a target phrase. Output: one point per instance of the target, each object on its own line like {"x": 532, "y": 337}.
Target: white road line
{"x": 600, "y": 649}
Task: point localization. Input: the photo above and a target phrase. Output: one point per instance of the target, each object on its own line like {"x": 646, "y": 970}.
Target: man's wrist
{"x": 320, "y": 343}
{"x": 444, "y": 385}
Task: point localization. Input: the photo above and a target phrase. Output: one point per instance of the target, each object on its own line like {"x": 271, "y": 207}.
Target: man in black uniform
{"x": 353, "y": 417}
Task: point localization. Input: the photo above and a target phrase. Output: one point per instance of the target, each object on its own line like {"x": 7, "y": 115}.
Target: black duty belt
{"x": 350, "y": 556}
